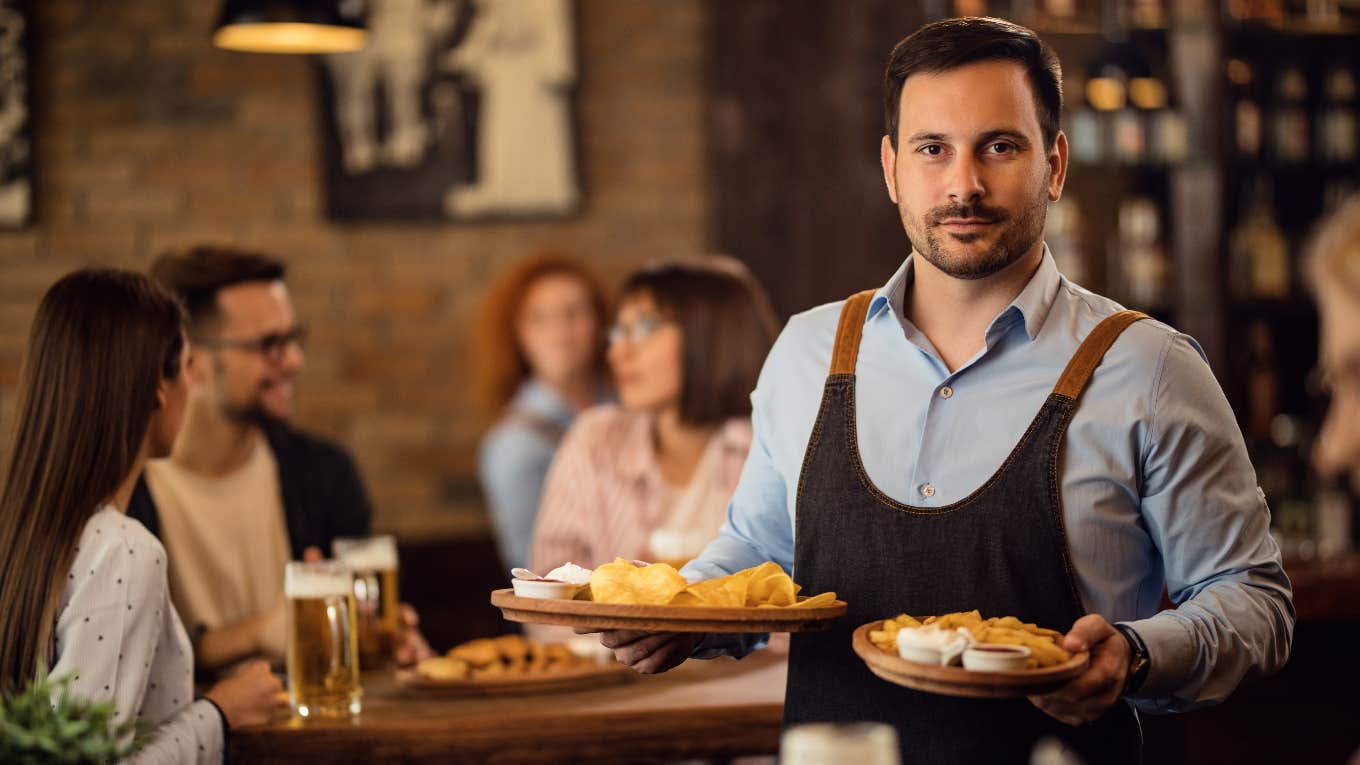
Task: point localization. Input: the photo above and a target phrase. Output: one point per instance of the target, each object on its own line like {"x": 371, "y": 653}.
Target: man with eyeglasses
{"x": 244, "y": 492}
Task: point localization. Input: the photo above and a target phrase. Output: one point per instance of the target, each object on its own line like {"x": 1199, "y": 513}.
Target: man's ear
{"x": 163, "y": 392}
{"x": 888, "y": 157}
{"x": 1057, "y": 167}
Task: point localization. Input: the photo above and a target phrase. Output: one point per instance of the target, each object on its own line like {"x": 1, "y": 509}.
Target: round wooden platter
{"x": 572, "y": 679}
{"x": 957, "y": 681}
{"x": 610, "y": 616}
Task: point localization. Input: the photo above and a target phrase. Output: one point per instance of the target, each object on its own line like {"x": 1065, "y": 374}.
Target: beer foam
{"x": 370, "y": 554}
{"x": 317, "y": 580}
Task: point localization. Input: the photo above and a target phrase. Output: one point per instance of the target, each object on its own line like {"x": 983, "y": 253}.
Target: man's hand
{"x": 648, "y": 653}
{"x": 1093, "y": 692}
{"x": 411, "y": 645}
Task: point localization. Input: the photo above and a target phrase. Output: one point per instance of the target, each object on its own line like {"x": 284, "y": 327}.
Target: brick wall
{"x": 147, "y": 138}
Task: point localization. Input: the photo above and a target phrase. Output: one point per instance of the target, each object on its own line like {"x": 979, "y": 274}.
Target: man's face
{"x": 250, "y": 371}
{"x": 970, "y": 176}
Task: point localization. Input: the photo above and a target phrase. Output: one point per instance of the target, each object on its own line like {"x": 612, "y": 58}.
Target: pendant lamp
{"x": 291, "y": 26}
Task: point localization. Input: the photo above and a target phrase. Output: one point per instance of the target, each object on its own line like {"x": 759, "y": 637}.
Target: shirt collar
{"x": 535, "y": 398}
{"x": 637, "y": 460}
{"x": 1032, "y": 305}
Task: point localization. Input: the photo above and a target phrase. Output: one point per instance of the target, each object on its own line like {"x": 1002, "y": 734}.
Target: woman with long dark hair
{"x": 84, "y": 590}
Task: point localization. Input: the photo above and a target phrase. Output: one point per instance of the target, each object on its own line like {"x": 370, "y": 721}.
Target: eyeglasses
{"x": 641, "y": 329}
{"x": 271, "y": 346}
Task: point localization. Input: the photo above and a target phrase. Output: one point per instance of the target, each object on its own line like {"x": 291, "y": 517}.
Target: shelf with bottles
{"x": 1273, "y": 18}
{"x": 1291, "y": 106}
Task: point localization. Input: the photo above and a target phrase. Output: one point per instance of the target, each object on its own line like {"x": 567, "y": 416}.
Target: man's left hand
{"x": 411, "y": 645}
{"x": 1089, "y": 695}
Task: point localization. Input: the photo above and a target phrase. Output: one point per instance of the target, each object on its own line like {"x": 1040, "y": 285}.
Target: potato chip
{"x": 816, "y": 601}
{"x": 770, "y": 586}
{"x": 622, "y": 582}
{"x": 723, "y": 592}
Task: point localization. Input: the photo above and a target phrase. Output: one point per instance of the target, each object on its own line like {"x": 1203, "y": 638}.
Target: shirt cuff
{"x": 737, "y": 646}
{"x": 1171, "y": 652}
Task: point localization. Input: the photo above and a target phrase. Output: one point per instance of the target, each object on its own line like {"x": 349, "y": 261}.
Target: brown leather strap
{"x": 1092, "y": 351}
{"x": 848, "y": 332}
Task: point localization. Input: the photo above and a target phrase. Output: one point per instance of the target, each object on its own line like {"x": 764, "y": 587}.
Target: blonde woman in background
{"x": 538, "y": 361}
{"x": 1334, "y": 269}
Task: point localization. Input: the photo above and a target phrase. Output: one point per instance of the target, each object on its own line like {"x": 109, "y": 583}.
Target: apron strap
{"x": 848, "y": 332}
{"x": 1092, "y": 351}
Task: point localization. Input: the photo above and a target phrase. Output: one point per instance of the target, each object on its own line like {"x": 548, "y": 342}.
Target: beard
{"x": 1018, "y": 234}
{"x": 252, "y": 412}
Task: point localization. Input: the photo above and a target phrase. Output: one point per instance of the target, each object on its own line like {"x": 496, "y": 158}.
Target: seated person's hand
{"x": 648, "y": 653}
{"x": 411, "y": 645}
{"x": 250, "y": 696}
{"x": 1089, "y": 695}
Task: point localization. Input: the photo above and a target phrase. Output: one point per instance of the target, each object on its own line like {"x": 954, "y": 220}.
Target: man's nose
{"x": 293, "y": 357}
{"x": 965, "y": 180}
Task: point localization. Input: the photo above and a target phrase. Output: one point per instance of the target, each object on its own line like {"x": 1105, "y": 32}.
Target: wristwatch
{"x": 1139, "y": 662}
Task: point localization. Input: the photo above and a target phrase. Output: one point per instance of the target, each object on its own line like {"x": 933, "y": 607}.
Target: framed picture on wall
{"x": 455, "y": 110}
{"x": 16, "y": 155}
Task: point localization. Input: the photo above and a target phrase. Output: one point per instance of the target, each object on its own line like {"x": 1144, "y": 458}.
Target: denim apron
{"x": 1001, "y": 550}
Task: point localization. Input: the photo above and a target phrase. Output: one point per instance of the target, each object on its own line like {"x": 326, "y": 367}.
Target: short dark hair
{"x": 728, "y": 327}
{"x": 952, "y": 43}
{"x": 197, "y": 274}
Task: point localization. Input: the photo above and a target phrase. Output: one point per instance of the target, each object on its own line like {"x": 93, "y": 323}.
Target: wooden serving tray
{"x": 575, "y": 678}
{"x": 610, "y": 616}
{"x": 957, "y": 681}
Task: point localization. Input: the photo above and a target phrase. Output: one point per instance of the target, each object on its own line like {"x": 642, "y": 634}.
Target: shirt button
{"x": 946, "y": 392}
{"x": 927, "y": 490}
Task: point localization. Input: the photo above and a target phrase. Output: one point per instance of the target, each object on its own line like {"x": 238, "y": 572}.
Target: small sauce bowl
{"x": 545, "y": 588}
{"x": 996, "y": 658}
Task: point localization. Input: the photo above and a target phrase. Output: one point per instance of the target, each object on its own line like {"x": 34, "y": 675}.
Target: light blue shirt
{"x": 1157, "y": 487}
{"x": 512, "y": 462}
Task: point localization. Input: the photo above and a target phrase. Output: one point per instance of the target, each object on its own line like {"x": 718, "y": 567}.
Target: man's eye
{"x": 932, "y": 149}
{"x": 1002, "y": 147}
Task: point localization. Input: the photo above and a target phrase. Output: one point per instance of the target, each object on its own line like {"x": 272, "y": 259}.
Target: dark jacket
{"x": 323, "y": 496}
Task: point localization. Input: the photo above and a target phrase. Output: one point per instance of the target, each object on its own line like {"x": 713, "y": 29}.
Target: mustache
{"x": 974, "y": 212}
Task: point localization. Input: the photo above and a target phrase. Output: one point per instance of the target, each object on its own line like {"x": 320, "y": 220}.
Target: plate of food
{"x": 508, "y": 665}
{"x": 963, "y": 654}
{"x": 655, "y": 598}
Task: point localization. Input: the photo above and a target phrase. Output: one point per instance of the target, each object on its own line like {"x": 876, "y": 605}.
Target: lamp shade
{"x": 291, "y": 26}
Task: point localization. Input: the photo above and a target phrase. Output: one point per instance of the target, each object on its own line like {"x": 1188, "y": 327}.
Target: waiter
{"x": 982, "y": 433}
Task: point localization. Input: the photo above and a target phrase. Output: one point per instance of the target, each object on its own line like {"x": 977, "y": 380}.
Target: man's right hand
{"x": 648, "y": 653}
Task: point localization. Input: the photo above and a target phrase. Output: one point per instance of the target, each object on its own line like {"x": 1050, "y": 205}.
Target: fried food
{"x": 504, "y": 656}
{"x": 763, "y": 586}
{"x": 623, "y": 582}
{"x": 1044, "y": 644}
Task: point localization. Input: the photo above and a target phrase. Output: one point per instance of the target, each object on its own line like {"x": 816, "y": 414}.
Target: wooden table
{"x": 704, "y": 709}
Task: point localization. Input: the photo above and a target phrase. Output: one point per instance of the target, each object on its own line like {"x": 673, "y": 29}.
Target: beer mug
{"x": 374, "y": 561}
{"x": 323, "y": 652}
{"x": 863, "y": 743}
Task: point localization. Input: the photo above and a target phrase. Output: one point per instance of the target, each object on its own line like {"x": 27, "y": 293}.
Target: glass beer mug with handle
{"x": 323, "y": 650}
{"x": 862, "y": 743}
{"x": 374, "y": 562}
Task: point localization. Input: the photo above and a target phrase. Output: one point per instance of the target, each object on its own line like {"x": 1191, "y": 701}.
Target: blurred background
{"x": 1207, "y": 138}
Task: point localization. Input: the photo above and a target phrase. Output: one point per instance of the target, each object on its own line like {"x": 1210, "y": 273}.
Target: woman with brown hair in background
{"x": 650, "y": 477}
{"x": 85, "y": 590}
{"x": 538, "y": 360}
